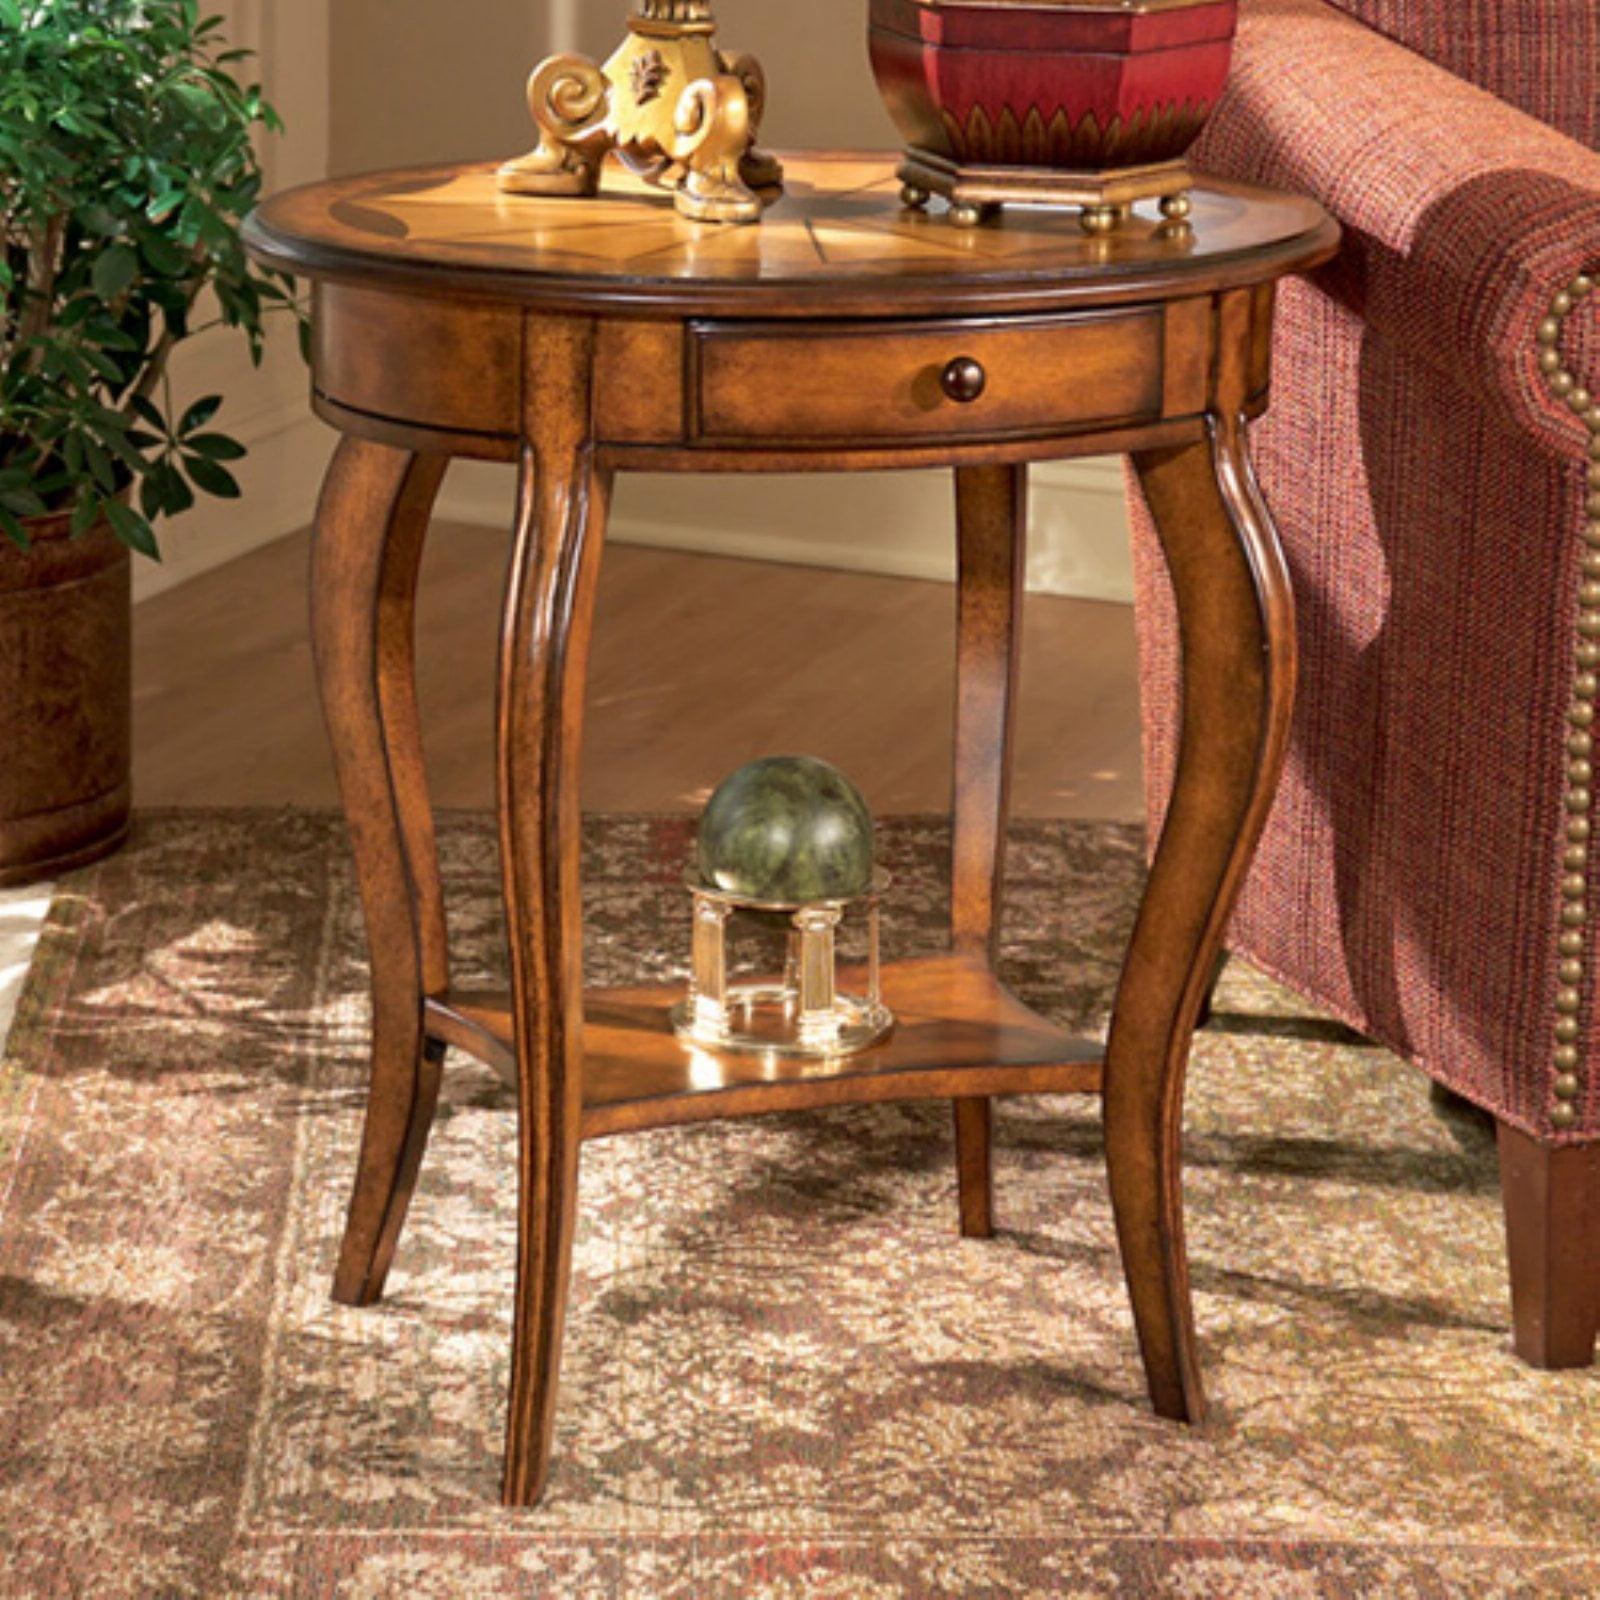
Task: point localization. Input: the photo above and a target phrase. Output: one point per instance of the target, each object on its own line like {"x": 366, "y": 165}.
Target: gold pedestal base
{"x": 761, "y": 1019}
{"x": 976, "y": 193}
{"x": 804, "y": 1015}
{"x": 676, "y": 109}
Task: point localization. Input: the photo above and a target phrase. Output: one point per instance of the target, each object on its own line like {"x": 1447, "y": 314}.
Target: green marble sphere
{"x": 787, "y": 829}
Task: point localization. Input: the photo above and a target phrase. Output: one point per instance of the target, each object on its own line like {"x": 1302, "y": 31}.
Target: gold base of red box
{"x": 975, "y": 192}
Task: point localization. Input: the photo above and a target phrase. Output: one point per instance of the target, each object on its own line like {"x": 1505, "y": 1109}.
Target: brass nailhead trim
{"x": 1566, "y": 1085}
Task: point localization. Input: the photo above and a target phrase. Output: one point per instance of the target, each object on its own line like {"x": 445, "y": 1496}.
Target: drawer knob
{"x": 964, "y": 380}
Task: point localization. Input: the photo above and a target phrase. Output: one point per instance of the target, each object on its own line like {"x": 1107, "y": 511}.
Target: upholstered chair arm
{"x": 1465, "y": 218}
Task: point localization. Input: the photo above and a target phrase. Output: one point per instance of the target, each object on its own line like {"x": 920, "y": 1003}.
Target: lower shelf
{"x": 959, "y": 1033}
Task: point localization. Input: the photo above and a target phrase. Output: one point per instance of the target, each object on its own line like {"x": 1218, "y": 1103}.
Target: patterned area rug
{"x": 786, "y": 1374}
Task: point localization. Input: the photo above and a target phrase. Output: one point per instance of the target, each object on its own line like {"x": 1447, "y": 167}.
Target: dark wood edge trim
{"x": 790, "y": 298}
{"x": 408, "y": 434}
{"x": 700, "y": 328}
{"x": 836, "y": 443}
{"x": 751, "y": 456}
{"x": 764, "y": 1099}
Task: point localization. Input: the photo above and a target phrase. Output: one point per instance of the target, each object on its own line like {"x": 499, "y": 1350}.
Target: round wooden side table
{"x": 580, "y": 337}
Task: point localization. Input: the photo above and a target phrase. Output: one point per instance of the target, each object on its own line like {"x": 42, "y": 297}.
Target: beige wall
{"x": 819, "y": 83}
{"x": 415, "y": 81}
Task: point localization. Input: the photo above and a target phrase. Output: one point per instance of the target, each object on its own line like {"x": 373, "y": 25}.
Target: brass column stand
{"x": 677, "y": 110}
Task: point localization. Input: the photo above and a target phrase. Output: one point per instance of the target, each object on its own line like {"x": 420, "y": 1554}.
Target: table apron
{"x": 752, "y": 395}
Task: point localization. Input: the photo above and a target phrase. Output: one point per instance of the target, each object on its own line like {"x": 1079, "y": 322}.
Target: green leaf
{"x": 115, "y": 439}
{"x": 199, "y": 414}
{"x": 178, "y": 495}
{"x": 24, "y": 502}
{"x": 213, "y": 479}
{"x": 84, "y": 515}
{"x": 12, "y": 528}
{"x": 127, "y": 152}
{"x": 100, "y": 465}
{"x": 132, "y": 529}
{"x": 163, "y": 254}
{"x": 105, "y": 364}
{"x": 164, "y": 205}
{"x": 114, "y": 270}
{"x": 215, "y": 446}
{"x": 143, "y": 409}
{"x": 164, "y": 493}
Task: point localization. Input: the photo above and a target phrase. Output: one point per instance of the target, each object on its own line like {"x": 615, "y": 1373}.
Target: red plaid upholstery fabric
{"x": 1537, "y": 55}
{"x": 1431, "y": 495}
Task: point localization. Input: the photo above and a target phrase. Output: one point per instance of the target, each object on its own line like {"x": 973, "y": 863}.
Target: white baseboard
{"x": 899, "y": 524}
{"x": 1078, "y": 530}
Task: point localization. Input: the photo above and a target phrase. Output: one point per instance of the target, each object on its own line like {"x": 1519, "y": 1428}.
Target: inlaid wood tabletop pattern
{"x": 836, "y": 212}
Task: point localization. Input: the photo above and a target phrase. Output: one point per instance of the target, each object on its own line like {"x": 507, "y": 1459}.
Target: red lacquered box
{"x": 1081, "y": 102}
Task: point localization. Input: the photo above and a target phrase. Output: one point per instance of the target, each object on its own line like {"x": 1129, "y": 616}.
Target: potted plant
{"x": 126, "y": 164}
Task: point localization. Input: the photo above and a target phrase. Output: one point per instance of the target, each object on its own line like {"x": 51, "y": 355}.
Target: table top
{"x": 838, "y": 242}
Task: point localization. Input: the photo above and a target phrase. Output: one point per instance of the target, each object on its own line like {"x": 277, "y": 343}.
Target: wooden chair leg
{"x": 975, "y": 1167}
{"x": 370, "y": 530}
{"x": 991, "y": 534}
{"x": 1552, "y": 1205}
{"x": 544, "y": 651}
{"x": 1236, "y": 618}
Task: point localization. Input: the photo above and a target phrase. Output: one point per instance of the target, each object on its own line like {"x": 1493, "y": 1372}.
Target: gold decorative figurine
{"x": 786, "y": 840}
{"x": 805, "y": 1013}
{"x": 677, "y": 110}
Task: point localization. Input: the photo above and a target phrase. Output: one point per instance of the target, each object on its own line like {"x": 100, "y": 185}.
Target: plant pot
{"x": 65, "y": 700}
{"x": 1084, "y": 102}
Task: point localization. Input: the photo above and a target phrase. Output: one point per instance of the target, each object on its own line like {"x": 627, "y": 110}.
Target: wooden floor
{"x": 700, "y": 663}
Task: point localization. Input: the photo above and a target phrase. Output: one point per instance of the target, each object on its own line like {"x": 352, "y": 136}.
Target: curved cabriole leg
{"x": 1236, "y": 620}
{"x": 544, "y": 647}
{"x": 991, "y": 533}
{"x": 370, "y": 530}
{"x": 975, "y": 1167}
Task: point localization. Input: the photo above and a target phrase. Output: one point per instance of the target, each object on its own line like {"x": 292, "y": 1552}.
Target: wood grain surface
{"x": 838, "y": 243}
{"x": 1159, "y": 345}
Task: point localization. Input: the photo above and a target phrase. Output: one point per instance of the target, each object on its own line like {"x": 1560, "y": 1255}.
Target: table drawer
{"x": 851, "y": 384}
